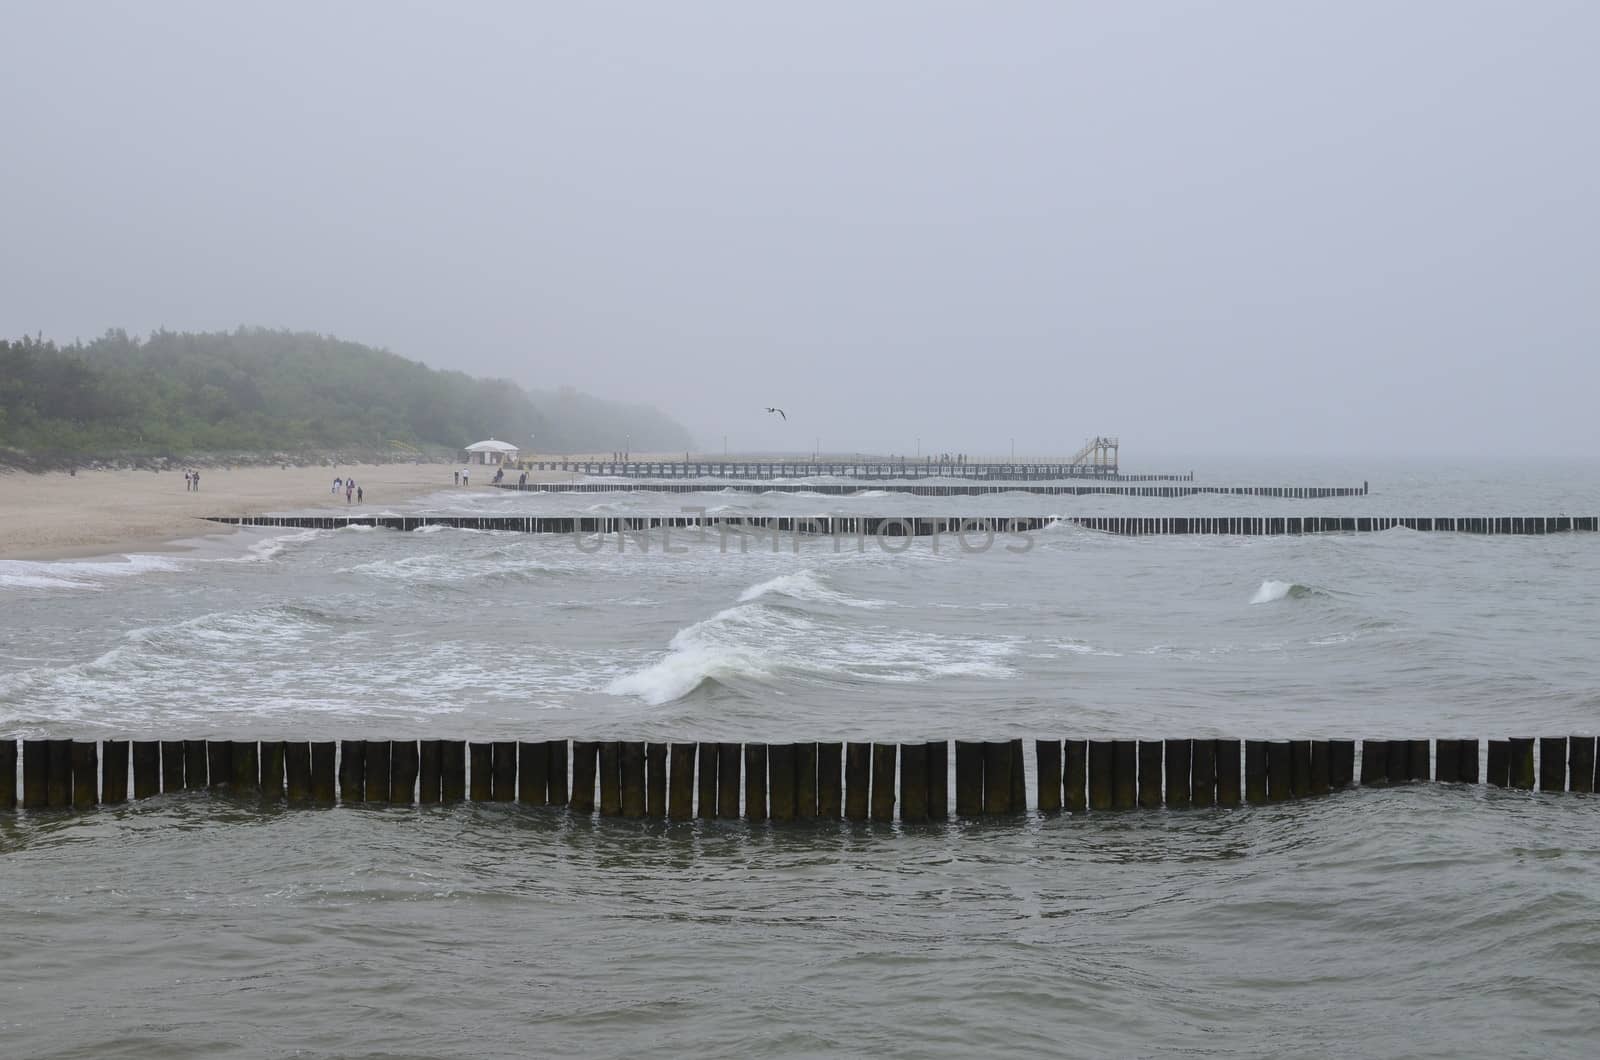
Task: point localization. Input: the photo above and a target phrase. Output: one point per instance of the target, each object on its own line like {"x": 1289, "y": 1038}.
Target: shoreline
{"x": 53, "y": 516}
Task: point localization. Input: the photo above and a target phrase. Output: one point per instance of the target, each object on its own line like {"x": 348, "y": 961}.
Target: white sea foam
{"x": 80, "y": 574}
{"x": 806, "y": 585}
{"x": 1271, "y": 590}
{"x": 752, "y": 642}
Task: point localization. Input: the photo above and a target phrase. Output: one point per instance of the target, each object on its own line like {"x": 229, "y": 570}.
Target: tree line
{"x": 261, "y": 390}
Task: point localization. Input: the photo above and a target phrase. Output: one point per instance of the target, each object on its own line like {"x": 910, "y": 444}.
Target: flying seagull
{"x": 779, "y": 412}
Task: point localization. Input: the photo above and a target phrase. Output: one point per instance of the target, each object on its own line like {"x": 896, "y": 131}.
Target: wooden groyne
{"x": 857, "y": 469}
{"x": 783, "y": 782}
{"x": 944, "y": 489}
{"x": 938, "y": 526}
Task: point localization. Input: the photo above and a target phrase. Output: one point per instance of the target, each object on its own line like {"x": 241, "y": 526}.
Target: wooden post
{"x": 503, "y": 779}
{"x": 1521, "y": 771}
{"x": 8, "y": 774}
{"x": 1499, "y": 764}
{"x": 938, "y": 780}
{"x": 352, "y": 770}
{"x": 1580, "y": 759}
{"x": 272, "y": 769}
{"x": 1124, "y": 774}
{"x": 113, "y": 770}
{"x": 730, "y": 760}
{"x": 556, "y": 763}
{"x": 194, "y": 764}
{"x": 533, "y": 773}
{"x": 146, "y": 768}
{"x": 755, "y": 781}
{"x": 997, "y": 777}
{"x": 430, "y": 761}
{"x": 1074, "y": 775}
{"x": 1300, "y": 768}
{"x": 830, "y": 792}
{"x": 1102, "y": 774}
{"x": 1447, "y": 761}
{"x": 1048, "y": 754}
{"x": 805, "y": 781}
{"x": 1417, "y": 760}
{"x": 706, "y": 806}
{"x": 1467, "y": 761}
{"x": 969, "y": 778}
{"x": 1280, "y": 771}
{"x": 857, "y": 780}
{"x": 1399, "y": 761}
{"x": 1321, "y": 768}
{"x": 585, "y": 754}
{"x": 1019, "y": 779}
{"x": 404, "y": 764}
{"x": 782, "y": 781}
{"x": 1552, "y": 763}
{"x": 611, "y": 778}
{"x": 1150, "y": 771}
{"x": 246, "y": 758}
{"x": 85, "y": 774}
{"x": 58, "y": 789}
{"x": 453, "y": 771}
{"x": 1374, "y": 762}
{"x": 323, "y": 789}
{"x": 883, "y": 780}
{"x": 655, "y": 780}
{"x": 172, "y": 766}
{"x": 35, "y": 774}
{"x": 1179, "y": 760}
{"x": 1203, "y": 772}
{"x": 680, "y": 782}
{"x": 375, "y": 778}
{"x": 1230, "y": 788}
{"x": 297, "y": 771}
{"x": 1341, "y": 763}
{"x": 913, "y": 782}
{"x": 480, "y": 772}
{"x": 631, "y": 778}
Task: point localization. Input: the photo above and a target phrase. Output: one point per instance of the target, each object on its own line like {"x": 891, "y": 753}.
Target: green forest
{"x": 265, "y": 391}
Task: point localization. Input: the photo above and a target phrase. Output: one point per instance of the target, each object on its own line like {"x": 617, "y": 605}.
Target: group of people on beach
{"x": 352, "y": 492}
{"x": 462, "y": 476}
{"x": 191, "y": 479}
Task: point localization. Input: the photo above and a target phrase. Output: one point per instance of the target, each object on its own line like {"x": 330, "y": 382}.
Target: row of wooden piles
{"x": 780, "y": 782}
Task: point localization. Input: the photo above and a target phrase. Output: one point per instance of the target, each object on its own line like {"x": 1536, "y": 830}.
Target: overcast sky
{"x": 1206, "y": 227}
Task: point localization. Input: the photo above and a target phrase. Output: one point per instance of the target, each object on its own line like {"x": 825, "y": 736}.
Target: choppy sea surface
{"x": 1423, "y": 921}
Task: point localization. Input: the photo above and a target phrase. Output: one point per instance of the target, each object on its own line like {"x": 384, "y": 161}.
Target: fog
{"x": 1254, "y": 227}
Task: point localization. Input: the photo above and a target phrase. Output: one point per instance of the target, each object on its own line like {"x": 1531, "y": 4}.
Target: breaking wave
{"x": 1271, "y": 590}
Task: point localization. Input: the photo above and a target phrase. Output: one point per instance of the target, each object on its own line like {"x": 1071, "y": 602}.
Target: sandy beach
{"x": 59, "y": 516}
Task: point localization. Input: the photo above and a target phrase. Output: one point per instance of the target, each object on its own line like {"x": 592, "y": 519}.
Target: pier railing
{"x": 941, "y": 489}
{"x": 858, "y": 469}
{"x": 781, "y": 782}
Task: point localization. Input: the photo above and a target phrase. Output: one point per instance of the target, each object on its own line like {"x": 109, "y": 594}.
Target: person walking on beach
{"x": 187, "y": 486}
{"x": 522, "y": 481}
{"x": 458, "y": 478}
{"x": 349, "y": 491}
{"x": 338, "y": 484}
{"x": 358, "y": 494}
{"x": 194, "y": 476}
{"x": 465, "y": 475}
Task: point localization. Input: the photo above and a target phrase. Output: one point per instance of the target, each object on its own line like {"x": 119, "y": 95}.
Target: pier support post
{"x": 706, "y": 783}
{"x": 585, "y": 759}
{"x": 1230, "y": 789}
{"x": 323, "y": 787}
{"x": 85, "y": 774}
{"x": 632, "y": 777}
{"x": 1521, "y": 771}
{"x": 1280, "y": 771}
{"x": 1580, "y": 759}
{"x": 782, "y": 780}
{"x": 1150, "y": 772}
{"x": 1499, "y": 765}
{"x": 1552, "y": 763}
{"x": 730, "y": 762}
{"x": 1418, "y": 760}
{"x": 404, "y": 764}
{"x": 830, "y": 790}
{"x": 1467, "y": 761}
{"x": 1074, "y": 775}
{"x": 1399, "y": 761}
{"x": 1048, "y": 754}
{"x": 533, "y": 773}
{"x": 8, "y": 774}
{"x": 272, "y": 765}
{"x": 453, "y": 771}
{"x": 503, "y": 763}
{"x": 1447, "y": 761}
{"x": 996, "y": 777}
{"x": 1374, "y": 762}
{"x": 755, "y": 781}
{"x": 1341, "y": 763}
{"x": 195, "y": 764}
{"x": 655, "y": 786}
{"x": 805, "y": 781}
{"x": 297, "y": 772}
{"x": 1102, "y": 774}
{"x": 938, "y": 780}
{"x": 1179, "y": 755}
{"x": 883, "y": 781}
{"x": 1321, "y": 768}
{"x": 1203, "y": 773}
{"x": 146, "y": 768}
{"x": 969, "y": 778}
{"x": 352, "y": 765}
{"x": 611, "y": 778}
{"x": 113, "y": 771}
{"x": 35, "y": 774}
{"x": 246, "y": 758}
{"x": 172, "y": 766}
{"x": 1124, "y": 774}
{"x": 430, "y": 764}
{"x": 375, "y": 777}
{"x": 1300, "y": 768}
{"x": 913, "y": 782}
{"x": 556, "y": 772}
{"x": 680, "y": 781}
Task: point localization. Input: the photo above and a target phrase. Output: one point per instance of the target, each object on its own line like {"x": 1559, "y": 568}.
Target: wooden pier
{"x": 939, "y": 526}
{"x": 783, "y": 783}
{"x": 942, "y": 489}
{"x": 854, "y": 469}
